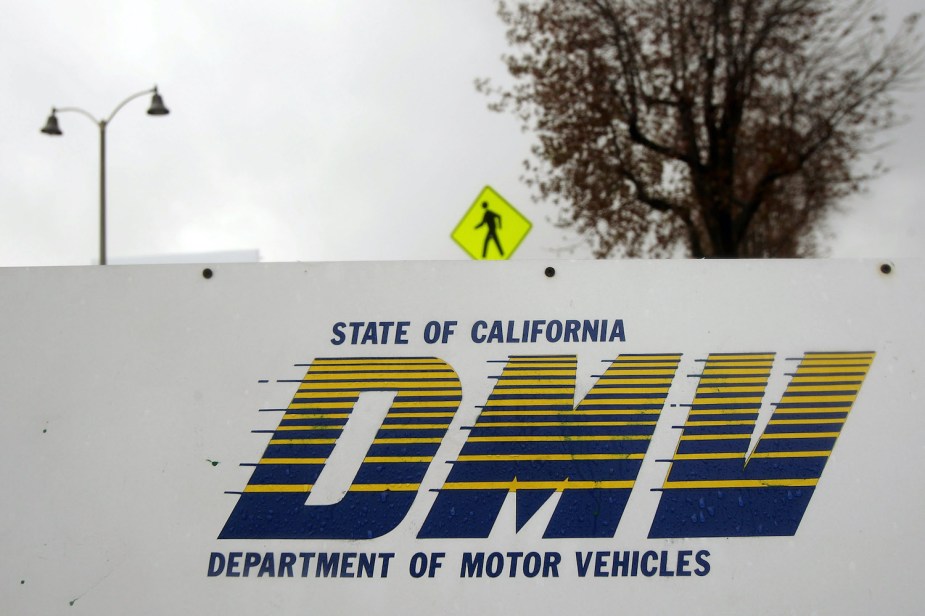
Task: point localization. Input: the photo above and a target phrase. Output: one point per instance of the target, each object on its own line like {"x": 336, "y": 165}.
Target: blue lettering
{"x": 268, "y": 566}
{"x": 477, "y": 335}
{"x": 472, "y": 564}
{"x": 600, "y": 564}
{"x": 327, "y": 564}
{"x": 367, "y": 565}
{"x": 436, "y": 562}
{"x": 765, "y": 492}
{"x": 369, "y": 334}
{"x": 554, "y": 331}
{"x": 536, "y": 329}
{"x": 701, "y": 559}
{"x": 286, "y": 561}
{"x": 593, "y": 471}
{"x": 532, "y": 440}
{"x": 373, "y": 332}
{"x": 583, "y": 561}
{"x": 273, "y": 505}
{"x": 233, "y": 564}
{"x": 551, "y": 562}
{"x": 401, "y": 333}
{"x": 529, "y": 565}
{"x": 646, "y": 569}
{"x": 386, "y": 558}
{"x": 306, "y": 561}
{"x": 347, "y": 564}
{"x": 617, "y": 332}
{"x": 494, "y": 565}
{"x": 663, "y": 569}
{"x": 621, "y": 564}
{"x": 432, "y": 332}
{"x": 418, "y": 565}
{"x": 339, "y": 336}
{"x": 590, "y": 331}
{"x": 251, "y": 559}
{"x": 571, "y": 330}
{"x": 515, "y": 557}
{"x": 684, "y": 562}
{"x": 216, "y": 564}
{"x": 532, "y": 563}
{"x": 510, "y": 333}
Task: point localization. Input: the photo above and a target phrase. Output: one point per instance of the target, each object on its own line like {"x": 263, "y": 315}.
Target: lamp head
{"x": 51, "y": 125}
{"x": 157, "y": 107}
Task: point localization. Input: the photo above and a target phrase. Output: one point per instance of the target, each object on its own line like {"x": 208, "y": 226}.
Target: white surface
{"x": 121, "y": 385}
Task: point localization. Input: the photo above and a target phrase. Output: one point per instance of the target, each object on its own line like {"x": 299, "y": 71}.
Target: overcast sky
{"x": 310, "y": 130}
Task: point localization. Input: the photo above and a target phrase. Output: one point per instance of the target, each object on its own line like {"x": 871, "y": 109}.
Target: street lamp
{"x": 157, "y": 108}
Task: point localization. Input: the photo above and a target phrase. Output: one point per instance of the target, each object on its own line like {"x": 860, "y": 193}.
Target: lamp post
{"x": 157, "y": 108}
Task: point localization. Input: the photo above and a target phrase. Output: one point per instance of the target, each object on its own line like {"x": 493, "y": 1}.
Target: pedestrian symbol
{"x": 493, "y": 222}
{"x": 492, "y": 228}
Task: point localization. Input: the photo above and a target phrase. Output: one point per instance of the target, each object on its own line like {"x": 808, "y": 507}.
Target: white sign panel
{"x": 420, "y": 438}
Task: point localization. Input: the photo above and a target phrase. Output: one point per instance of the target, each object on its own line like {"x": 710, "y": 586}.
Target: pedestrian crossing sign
{"x": 492, "y": 228}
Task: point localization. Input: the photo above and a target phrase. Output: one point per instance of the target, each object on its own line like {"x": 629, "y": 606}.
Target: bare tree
{"x": 721, "y": 128}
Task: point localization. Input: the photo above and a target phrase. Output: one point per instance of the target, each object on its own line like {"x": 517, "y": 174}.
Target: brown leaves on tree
{"x": 724, "y": 128}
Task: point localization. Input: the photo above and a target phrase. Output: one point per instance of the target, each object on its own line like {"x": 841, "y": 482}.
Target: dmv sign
{"x": 463, "y": 437}
{"x": 530, "y": 441}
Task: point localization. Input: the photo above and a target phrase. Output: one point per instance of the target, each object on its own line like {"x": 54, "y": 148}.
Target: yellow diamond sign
{"x": 492, "y": 228}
